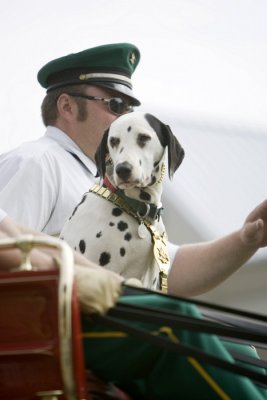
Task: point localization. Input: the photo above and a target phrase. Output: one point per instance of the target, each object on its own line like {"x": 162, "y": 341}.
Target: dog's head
{"x": 136, "y": 143}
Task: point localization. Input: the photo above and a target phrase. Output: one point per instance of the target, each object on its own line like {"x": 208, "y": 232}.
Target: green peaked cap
{"x": 109, "y": 66}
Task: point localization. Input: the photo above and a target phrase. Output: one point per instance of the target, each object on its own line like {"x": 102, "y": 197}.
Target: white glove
{"x": 133, "y": 282}
{"x": 98, "y": 289}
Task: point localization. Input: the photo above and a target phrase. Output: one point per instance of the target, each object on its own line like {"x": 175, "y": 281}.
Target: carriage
{"x": 41, "y": 352}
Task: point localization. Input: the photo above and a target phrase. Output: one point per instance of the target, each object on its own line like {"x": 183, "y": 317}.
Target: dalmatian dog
{"x": 118, "y": 221}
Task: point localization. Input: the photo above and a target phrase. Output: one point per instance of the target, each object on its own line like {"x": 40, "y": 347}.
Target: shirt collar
{"x": 69, "y": 145}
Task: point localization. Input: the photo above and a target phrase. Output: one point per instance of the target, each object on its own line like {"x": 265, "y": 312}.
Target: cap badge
{"x": 83, "y": 77}
{"x": 132, "y": 58}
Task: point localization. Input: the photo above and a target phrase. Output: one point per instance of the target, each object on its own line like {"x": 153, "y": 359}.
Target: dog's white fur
{"x": 131, "y": 155}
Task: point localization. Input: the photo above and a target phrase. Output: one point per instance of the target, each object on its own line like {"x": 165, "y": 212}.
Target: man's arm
{"x": 198, "y": 268}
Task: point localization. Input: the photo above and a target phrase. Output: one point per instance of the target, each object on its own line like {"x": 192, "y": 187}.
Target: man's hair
{"x": 49, "y": 105}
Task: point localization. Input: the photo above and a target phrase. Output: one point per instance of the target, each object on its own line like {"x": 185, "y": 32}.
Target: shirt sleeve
{"x": 29, "y": 193}
{"x": 172, "y": 249}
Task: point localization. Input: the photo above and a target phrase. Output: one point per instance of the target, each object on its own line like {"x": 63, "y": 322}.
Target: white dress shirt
{"x": 42, "y": 181}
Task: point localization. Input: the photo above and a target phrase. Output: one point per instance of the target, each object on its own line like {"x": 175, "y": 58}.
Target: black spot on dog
{"x": 114, "y": 142}
{"x": 153, "y": 180}
{"x": 142, "y": 139}
{"x": 116, "y": 212}
{"x": 129, "y": 128}
{"x": 122, "y": 226}
{"x": 157, "y": 169}
{"x": 140, "y": 162}
{"x": 104, "y": 259}
{"x": 144, "y": 196}
{"x": 156, "y": 163}
{"x": 121, "y": 150}
{"x": 122, "y": 251}
{"x": 128, "y": 236}
{"x": 111, "y": 224}
{"x": 154, "y": 281}
{"x": 99, "y": 234}
{"x": 76, "y": 208}
{"x": 82, "y": 246}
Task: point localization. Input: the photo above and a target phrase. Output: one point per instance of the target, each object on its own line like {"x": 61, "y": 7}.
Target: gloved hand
{"x": 98, "y": 289}
{"x": 133, "y": 282}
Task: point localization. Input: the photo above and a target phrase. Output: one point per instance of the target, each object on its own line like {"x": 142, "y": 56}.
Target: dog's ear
{"x": 175, "y": 150}
{"x": 167, "y": 138}
{"x": 100, "y": 155}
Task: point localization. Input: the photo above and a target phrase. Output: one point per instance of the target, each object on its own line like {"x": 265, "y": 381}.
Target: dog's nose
{"x": 124, "y": 170}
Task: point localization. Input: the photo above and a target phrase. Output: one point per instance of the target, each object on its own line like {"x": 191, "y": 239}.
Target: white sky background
{"x": 199, "y": 59}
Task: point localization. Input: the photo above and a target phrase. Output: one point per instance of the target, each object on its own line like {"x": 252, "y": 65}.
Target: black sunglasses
{"x": 116, "y": 105}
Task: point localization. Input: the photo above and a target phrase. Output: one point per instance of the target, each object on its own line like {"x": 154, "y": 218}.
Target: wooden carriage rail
{"x": 47, "y": 300}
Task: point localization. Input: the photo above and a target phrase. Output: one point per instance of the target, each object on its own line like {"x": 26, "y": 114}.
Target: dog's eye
{"x": 114, "y": 142}
{"x": 142, "y": 139}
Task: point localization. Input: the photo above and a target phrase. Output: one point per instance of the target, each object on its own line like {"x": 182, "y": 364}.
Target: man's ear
{"x": 65, "y": 106}
{"x": 100, "y": 155}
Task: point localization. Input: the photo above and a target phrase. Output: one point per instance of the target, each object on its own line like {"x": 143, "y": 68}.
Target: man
{"x": 86, "y": 91}
{"x": 146, "y": 371}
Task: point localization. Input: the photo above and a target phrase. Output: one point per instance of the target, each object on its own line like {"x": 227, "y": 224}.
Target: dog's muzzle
{"x": 124, "y": 171}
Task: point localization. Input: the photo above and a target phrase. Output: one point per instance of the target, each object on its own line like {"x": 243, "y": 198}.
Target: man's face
{"x": 98, "y": 115}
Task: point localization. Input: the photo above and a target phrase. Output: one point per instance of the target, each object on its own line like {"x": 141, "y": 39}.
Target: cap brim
{"x": 119, "y": 88}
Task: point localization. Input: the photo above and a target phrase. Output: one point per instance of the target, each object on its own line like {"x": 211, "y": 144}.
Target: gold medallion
{"x": 161, "y": 256}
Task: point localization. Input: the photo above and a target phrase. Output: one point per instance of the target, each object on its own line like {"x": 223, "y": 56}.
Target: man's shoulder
{"x": 34, "y": 150}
